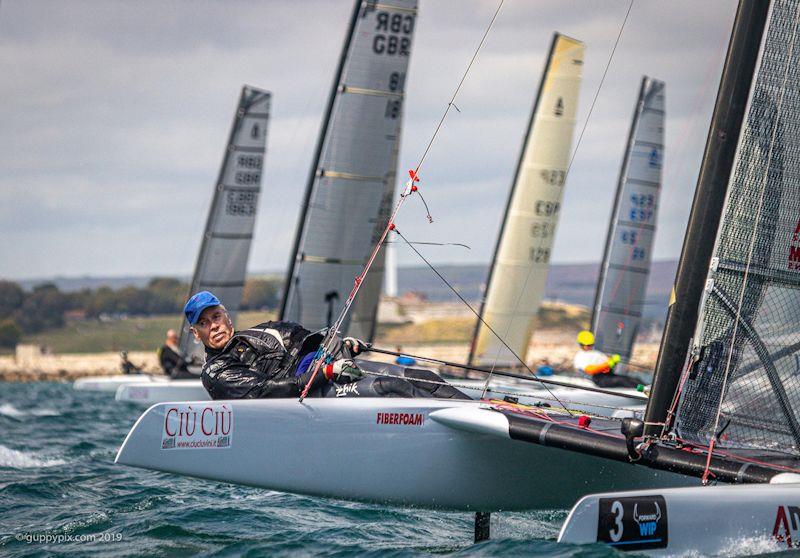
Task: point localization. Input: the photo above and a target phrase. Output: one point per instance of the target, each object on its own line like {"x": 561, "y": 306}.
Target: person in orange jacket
{"x": 598, "y": 365}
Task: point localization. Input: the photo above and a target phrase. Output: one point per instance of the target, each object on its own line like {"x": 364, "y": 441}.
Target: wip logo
{"x": 783, "y": 531}
{"x": 794, "y": 249}
{"x": 647, "y": 522}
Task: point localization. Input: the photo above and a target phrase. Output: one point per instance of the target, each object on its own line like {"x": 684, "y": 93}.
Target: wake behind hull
{"x": 389, "y": 451}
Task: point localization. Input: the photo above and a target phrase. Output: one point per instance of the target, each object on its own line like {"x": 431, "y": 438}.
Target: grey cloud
{"x": 115, "y": 115}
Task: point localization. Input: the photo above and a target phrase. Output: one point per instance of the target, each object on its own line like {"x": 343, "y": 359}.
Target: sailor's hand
{"x": 355, "y": 346}
{"x": 614, "y": 360}
{"x": 342, "y": 371}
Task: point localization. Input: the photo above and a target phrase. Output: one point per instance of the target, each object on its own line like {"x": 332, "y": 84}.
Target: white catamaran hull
{"x": 111, "y": 383}
{"x": 149, "y": 393}
{"x": 395, "y": 451}
{"x": 711, "y": 520}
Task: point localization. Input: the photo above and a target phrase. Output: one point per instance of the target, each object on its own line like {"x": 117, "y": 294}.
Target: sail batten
{"x": 515, "y": 285}
{"x": 625, "y": 269}
{"x": 222, "y": 260}
{"x": 352, "y": 182}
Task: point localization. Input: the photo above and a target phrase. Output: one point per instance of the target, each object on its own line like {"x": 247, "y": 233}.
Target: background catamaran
{"x": 422, "y": 452}
{"x": 225, "y": 248}
{"x": 517, "y": 275}
{"x": 352, "y": 181}
{"x": 222, "y": 261}
{"x": 626, "y": 261}
{"x": 625, "y": 268}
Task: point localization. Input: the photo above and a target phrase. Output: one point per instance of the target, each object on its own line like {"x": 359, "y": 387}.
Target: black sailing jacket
{"x": 260, "y": 362}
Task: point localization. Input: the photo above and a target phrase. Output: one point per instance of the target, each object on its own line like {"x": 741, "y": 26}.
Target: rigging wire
{"x": 432, "y": 243}
{"x": 513, "y": 375}
{"x": 477, "y": 314}
{"x": 519, "y": 394}
{"x": 745, "y": 277}
{"x": 451, "y": 103}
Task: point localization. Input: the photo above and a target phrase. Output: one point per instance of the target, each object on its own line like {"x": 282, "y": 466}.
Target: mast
{"x": 222, "y": 260}
{"x": 625, "y": 268}
{"x": 513, "y": 289}
{"x": 352, "y": 183}
{"x": 707, "y": 207}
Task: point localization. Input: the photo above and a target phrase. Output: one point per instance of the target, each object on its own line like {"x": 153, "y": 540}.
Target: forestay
{"x": 351, "y": 189}
{"x": 620, "y": 295}
{"x": 522, "y": 257}
{"x": 747, "y": 344}
{"x": 222, "y": 261}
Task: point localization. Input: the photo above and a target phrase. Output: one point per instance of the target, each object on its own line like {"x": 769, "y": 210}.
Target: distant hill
{"x": 571, "y": 283}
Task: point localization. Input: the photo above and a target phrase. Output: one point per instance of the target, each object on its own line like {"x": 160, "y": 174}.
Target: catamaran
{"x": 625, "y": 267}
{"x": 730, "y": 404}
{"x": 520, "y": 264}
{"x": 225, "y": 249}
{"x": 419, "y": 452}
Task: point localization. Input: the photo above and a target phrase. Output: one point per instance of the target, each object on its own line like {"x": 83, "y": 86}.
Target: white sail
{"x": 522, "y": 258}
{"x": 222, "y": 261}
{"x": 620, "y": 296}
{"x": 351, "y": 189}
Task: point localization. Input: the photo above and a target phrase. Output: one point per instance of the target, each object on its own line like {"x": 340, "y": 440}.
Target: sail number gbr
{"x": 392, "y": 33}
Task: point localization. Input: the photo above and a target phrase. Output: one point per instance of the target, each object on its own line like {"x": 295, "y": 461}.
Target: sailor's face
{"x": 214, "y": 328}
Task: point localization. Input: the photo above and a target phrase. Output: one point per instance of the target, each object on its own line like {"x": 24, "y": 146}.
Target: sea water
{"x": 61, "y": 493}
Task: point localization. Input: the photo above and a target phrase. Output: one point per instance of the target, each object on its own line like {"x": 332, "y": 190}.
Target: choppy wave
{"x": 9, "y": 410}
{"x": 25, "y": 459}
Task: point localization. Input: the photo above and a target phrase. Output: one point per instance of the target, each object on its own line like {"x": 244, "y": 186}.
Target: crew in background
{"x": 598, "y": 365}
{"x": 174, "y": 364}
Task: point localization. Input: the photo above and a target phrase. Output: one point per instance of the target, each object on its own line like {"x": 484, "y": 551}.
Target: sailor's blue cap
{"x": 199, "y": 302}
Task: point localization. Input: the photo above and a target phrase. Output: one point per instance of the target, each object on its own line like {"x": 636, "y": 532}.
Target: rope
{"x": 757, "y": 220}
{"x": 433, "y": 244}
{"x": 451, "y": 103}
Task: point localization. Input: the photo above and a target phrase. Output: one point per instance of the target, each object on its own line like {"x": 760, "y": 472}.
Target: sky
{"x": 114, "y": 117}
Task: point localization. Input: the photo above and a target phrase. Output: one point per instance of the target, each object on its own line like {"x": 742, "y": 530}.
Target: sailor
{"x": 598, "y": 365}
{"x": 126, "y": 366}
{"x": 276, "y": 359}
{"x": 173, "y": 362}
